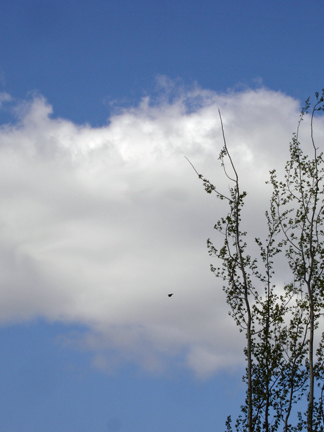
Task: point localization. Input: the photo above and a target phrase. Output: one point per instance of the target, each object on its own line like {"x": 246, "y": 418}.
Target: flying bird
{"x": 170, "y": 295}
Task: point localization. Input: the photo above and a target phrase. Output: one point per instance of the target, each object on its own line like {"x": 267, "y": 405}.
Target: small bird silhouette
{"x": 170, "y": 295}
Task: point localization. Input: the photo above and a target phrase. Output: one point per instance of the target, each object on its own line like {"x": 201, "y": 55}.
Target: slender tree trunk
{"x": 248, "y": 309}
{"x": 267, "y": 406}
{"x": 311, "y": 367}
{"x": 250, "y": 412}
{"x": 267, "y": 347}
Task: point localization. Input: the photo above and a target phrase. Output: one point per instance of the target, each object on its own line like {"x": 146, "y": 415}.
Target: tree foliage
{"x": 284, "y": 348}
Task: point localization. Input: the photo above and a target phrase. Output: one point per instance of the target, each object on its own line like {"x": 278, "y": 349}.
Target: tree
{"x": 299, "y": 208}
{"x": 283, "y": 365}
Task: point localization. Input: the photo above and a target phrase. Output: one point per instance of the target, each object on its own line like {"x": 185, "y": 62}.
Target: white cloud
{"x": 98, "y": 225}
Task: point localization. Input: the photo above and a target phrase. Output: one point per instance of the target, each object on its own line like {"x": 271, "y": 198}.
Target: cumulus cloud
{"x": 98, "y": 225}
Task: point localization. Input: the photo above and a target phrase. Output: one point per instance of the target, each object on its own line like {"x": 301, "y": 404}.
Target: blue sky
{"x": 102, "y": 216}
{"x": 81, "y": 53}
